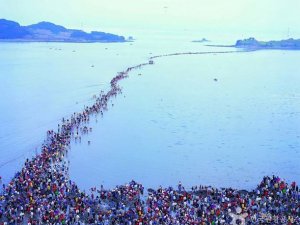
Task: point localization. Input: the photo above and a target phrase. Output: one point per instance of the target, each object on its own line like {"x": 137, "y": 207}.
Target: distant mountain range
{"x": 252, "y": 43}
{"x": 50, "y": 32}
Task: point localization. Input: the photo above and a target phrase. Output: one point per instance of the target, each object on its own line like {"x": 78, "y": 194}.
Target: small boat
{"x": 151, "y": 62}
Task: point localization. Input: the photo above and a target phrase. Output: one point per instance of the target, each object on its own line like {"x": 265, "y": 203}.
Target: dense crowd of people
{"x": 42, "y": 193}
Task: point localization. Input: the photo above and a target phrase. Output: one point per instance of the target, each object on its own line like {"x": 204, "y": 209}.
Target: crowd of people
{"x": 42, "y": 193}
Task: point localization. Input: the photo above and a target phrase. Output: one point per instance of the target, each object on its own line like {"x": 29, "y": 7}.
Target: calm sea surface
{"x": 172, "y": 123}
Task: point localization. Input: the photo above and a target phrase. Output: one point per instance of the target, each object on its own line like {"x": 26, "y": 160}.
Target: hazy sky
{"x": 264, "y": 16}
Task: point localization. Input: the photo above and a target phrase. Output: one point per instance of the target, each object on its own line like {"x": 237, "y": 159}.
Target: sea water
{"x": 217, "y": 119}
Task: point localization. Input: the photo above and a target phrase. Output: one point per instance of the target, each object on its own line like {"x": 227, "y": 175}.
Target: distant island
{"x": 252, "y": 43}
{"x": 50, "y": 32}
{"x": 201, "y": 40}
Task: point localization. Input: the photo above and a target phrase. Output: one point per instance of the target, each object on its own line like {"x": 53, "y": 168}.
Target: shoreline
{"x": 57, "y": 41}
{"x": 253, "y": 48}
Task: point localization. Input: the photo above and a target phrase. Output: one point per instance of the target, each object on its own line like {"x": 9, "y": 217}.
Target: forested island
{"x": 252, "y": 43}
{"x": 50, "y": 32}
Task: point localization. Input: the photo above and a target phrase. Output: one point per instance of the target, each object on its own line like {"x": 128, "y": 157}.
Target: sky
{"x": 243, "y": 17}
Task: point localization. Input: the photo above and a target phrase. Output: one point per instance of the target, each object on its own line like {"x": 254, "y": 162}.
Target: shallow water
{"x": 177, "y": 124}
{"x": 173, "y": 122}
{"x": 42, "y": 82}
